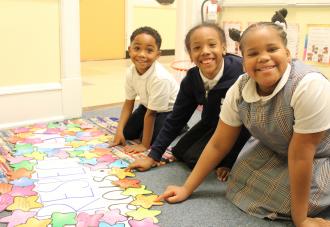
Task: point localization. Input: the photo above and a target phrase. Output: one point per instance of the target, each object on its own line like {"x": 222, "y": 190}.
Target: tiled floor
{"x": 103, "y": 81}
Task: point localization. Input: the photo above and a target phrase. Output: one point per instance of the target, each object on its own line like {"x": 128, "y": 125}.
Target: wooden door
{"x": 102, "y": 29}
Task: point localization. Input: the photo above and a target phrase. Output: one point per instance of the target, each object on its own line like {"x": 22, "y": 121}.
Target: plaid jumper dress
{"x": 259, "y": 181}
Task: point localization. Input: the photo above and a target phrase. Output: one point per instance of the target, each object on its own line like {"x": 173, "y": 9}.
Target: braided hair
{"x": 278, "y": 23}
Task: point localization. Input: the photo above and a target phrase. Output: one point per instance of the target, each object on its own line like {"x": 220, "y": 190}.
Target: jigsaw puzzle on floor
{"x": 64, "y": 173}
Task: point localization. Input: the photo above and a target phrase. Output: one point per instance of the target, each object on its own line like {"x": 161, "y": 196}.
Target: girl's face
{"x": 206, "y": 50}
{"x": 143, "y": 52}
{"x": 265, "y": 58}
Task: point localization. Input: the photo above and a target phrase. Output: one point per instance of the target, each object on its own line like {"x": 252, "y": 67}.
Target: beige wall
{"x": 163, "y": 19}
{"x": 299, "y": 15}
{"x": 102, "y": 29}
{"x": 29, "y": 42}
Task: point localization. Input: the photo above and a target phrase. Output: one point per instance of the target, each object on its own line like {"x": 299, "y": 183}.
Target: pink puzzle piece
{"x": 17, "y": 217}
{"x": 143, "y": 223}
{"x": 87, "y": 220}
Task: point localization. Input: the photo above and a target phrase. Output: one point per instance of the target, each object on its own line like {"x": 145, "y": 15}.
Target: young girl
{"x": 206, "y": 84}
{"x": 285, "y": 105}
{"x": 155, "y": 86}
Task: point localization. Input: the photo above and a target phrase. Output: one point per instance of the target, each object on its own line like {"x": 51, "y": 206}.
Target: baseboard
{"x": 166, "y": 52}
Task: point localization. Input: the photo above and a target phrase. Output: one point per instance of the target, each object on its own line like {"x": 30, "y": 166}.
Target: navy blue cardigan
{"x": 192, "y": 94}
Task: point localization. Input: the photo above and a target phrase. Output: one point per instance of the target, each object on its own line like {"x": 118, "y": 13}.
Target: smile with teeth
{"x": 266, "y": 68}
{"x": 207, "y": 61}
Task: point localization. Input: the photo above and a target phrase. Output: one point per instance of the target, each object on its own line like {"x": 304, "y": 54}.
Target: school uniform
{"x": 259, "y": 181}
{"x": 157, "y": 90}
{"x": 192, "y": 93}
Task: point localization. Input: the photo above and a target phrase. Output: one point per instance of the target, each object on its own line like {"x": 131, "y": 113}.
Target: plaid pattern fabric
{"x": 259, "y": 181}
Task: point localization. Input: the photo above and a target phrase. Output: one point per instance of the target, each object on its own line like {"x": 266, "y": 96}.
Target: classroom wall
{"x": 300, "y": 15}
{"x": 40, "y": 61}
{"x": 102, "y": 29}
{"x": 150, "y": 13}
{"x": 29, "y": 42}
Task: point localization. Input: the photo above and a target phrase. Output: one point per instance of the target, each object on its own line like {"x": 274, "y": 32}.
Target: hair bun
{"x": 279, "y": 16}
{"x": 234, "y": 34}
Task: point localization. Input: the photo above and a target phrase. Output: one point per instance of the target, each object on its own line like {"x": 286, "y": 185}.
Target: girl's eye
{"x": 150, "y": 50}
{"x": 195, "y": 48}
{"x": 252, "y": 54}
{"x": 213, "y": 44}
{"x": 136, "y": 48}
{"x": 273, "y": 49}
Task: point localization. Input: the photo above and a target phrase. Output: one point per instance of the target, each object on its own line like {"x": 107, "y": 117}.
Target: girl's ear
{"x": 159, "y": 53}
{"x": 224, "y": 52}
{"x": 129, "y": 50}
{"x": 288, "y": 53}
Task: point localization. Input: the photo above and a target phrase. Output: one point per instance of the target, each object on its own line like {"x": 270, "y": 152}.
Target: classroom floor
{"x": 103, "y": 81}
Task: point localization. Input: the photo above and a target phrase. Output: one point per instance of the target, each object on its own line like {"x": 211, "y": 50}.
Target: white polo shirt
{"x": 310, "y": 101}
{"x": 156, "y": 88}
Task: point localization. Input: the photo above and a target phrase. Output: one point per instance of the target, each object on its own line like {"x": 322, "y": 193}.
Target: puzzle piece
{"x": 104, "y": 224}
{"x": 127, "y": 183}
{"x": 33, "y": 222}
{"x": 89, "y": 155}
{"x": 119, "y": 164}
{"x": 25, "y": 203}
{"x": 23, "y": 164}
{"x": 36, "y": 155}
{"x": 111, "y": 217}
{"x": 4, "y": 188}
{"x": 147, "y": 222}
{"x": 62, "y": 219}
{"x": 16, "y": 174}
{"x": 101, "y": 151}
{"x": 143, "y": 213}
{"x": 23, "y": 182}
{"x": 5, "y": 201}
{"x": 136, "y": 191}
{"x": 146, "y": 201}
{"x": 87, "y": 220}
{"x": 17, "y": 217}
{"x": 121, "y": 173}
{"x": 18, "y": 159}
{"x": 107, "y": 158}
{"x": 23, "y": 191}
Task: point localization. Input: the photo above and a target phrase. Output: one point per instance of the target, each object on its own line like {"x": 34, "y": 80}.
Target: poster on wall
{"x": 317, "y": 44}
{"x": 293, "y": 39}
{"x": 232, "y": 46}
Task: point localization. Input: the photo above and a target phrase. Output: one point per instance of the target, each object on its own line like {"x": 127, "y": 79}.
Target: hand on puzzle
{"x": 314, "y": 222}
{"x": 118, "y": 140}
{"x": 142, "y": 164}
{"x": 174, "y": 194}
{"x": 136, "y": 148}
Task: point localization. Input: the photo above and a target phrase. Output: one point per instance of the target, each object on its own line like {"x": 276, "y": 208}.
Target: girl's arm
{"x": 302, "y": 149}
{"x": 217, "y": 148}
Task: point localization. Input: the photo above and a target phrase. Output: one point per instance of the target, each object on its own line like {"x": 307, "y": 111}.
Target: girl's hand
{"x": 142, "y": 164}
{"x": 174, "y": 194}
{"x": 314, "y": 222}
{"x": 136, "y": 148}
{"x": 222, "y": 173}
{"x": 118, "y": 140}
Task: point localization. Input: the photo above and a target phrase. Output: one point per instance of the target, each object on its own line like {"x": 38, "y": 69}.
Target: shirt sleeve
{"x": 130, "y": 92}
{"x": 311, "y": 104}
{"x": 159, "y": 96}
{"x": 229, "y": 110}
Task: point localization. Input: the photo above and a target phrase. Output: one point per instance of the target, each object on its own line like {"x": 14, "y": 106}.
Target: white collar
{"x": 250, "y": 94}
{"x": 147, "y": 73}
{"x": 216, "y": 78}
